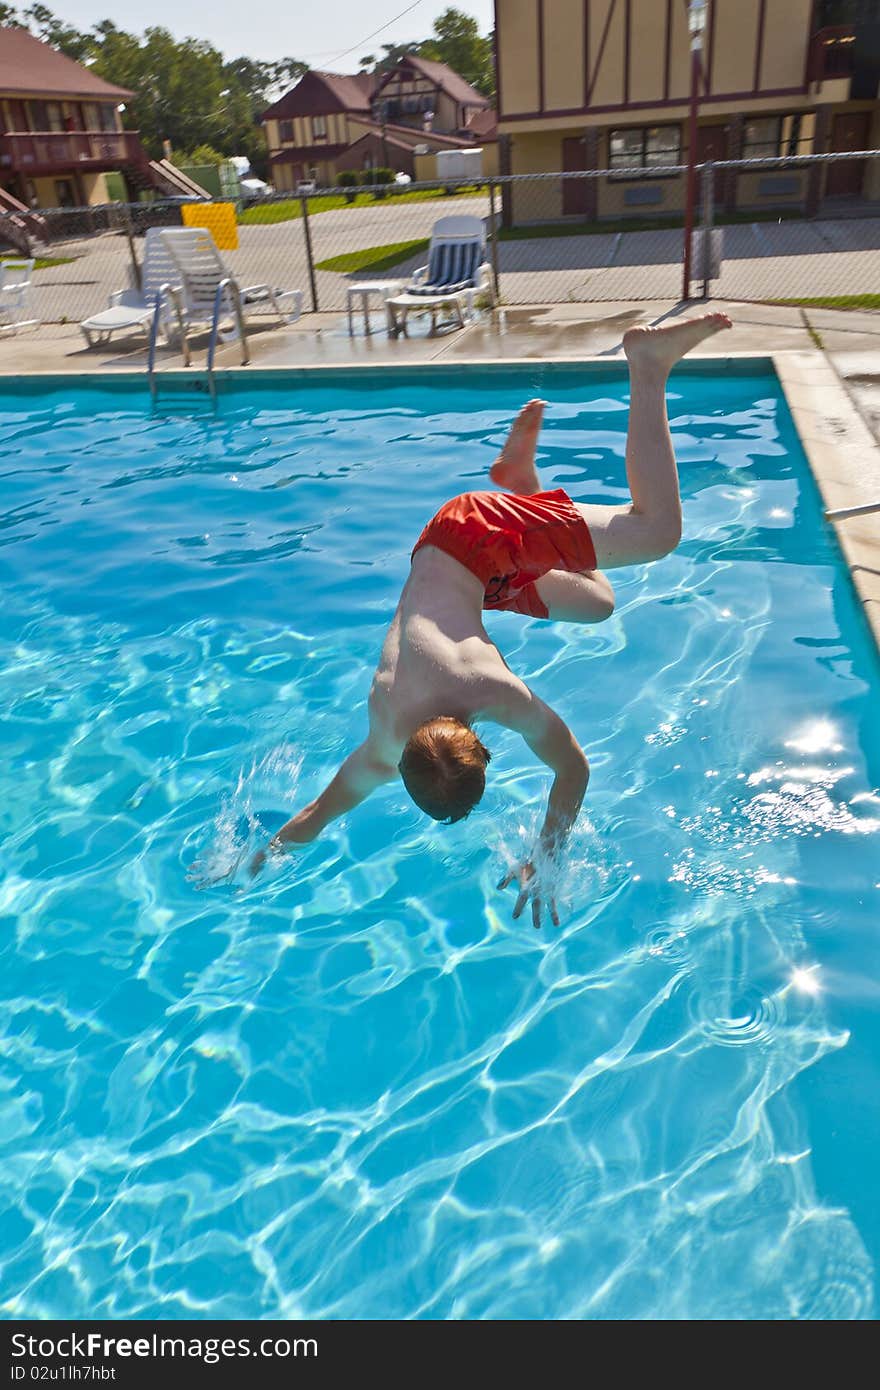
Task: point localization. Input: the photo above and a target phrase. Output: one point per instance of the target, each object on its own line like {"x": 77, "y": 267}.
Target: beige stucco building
{"x": 605, "y": 84}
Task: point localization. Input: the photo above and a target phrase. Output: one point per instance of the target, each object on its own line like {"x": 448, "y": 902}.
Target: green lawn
{"x": 835, "y": 301}
{"x": 41, "y": 262}
{"x": 374, "y": 257}
{"x": 288, "y": 209}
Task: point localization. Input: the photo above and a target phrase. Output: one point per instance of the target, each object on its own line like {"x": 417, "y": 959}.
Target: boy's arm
{"x": 359, "y": 775}
{"x": 551, "y": 740}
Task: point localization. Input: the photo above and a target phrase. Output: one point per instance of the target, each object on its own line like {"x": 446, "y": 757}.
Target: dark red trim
{"x": 627, "y": 22}
{"x": 668, "y": 53}
{"x": 495, "y": 61}
{"x": 599, "y": 56}
{"x": 539, "y": 15}
{"x": 710, "y": 49}
{"x": 759, "y": 48}
{"x": 810, "y": 32}
{"x": 586, "y": 51}
{"x": 648, "y": 105}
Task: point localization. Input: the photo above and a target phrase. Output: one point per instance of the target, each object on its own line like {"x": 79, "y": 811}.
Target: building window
{"x": 285, "y": 130}
{"x": 108, "y": 119}
{"x": 643, "y": 147}
{"x": 767, "y": 137}
{"x": 319, "y": 127}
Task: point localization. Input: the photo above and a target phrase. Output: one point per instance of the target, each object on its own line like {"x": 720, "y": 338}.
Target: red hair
{"x": 443, "y": 767}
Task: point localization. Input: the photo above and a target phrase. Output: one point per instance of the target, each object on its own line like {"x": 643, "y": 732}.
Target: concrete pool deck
{"x": 828, "y": 362}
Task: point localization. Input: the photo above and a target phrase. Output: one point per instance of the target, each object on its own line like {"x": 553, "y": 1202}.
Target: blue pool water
{"x": 358, "y": 1088}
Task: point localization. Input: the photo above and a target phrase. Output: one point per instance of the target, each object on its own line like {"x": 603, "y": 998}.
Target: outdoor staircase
{"x": 19, "y": 227}
{"x": 163, "y": 177}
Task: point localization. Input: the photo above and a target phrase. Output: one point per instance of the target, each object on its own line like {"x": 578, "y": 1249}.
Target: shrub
{"x": 348, "y": 180}
{"x": 378, "y": 179}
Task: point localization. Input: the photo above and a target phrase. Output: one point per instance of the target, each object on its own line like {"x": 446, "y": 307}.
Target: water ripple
{"x": 356, "y": 1088}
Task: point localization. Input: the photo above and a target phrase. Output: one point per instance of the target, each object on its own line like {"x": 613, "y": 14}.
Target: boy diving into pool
{"x": 527, "y": 551}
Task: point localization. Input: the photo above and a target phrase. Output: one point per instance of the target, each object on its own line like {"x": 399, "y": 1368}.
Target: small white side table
{"x": 363, "y": 289}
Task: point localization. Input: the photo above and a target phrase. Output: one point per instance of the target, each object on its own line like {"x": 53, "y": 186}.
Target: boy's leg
{"x": 650, "y": 526}
{"x": 514, "y": 469}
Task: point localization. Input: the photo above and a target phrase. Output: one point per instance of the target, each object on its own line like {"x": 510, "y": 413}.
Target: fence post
{"x": 493, "y": 241}
{"x": 707, "y": 198}
{"x": 129, "y": 234}
{"x": 304, "y": 204}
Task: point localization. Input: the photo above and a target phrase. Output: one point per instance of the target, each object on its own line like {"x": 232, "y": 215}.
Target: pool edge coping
{"x": 844, "y": 459}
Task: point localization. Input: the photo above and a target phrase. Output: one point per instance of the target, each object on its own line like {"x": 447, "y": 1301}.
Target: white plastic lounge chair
{"x": 457, "y": 271}
{"x": 206, "y": 282}
{"x": 131, "y": 310}
{"x": 15, "y": 295}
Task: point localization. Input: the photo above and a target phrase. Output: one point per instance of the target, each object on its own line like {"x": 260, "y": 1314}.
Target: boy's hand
{"x": 529, "y": 886}
{"x": 301, "y": 830}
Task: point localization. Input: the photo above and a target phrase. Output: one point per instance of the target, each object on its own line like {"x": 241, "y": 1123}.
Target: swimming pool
{"x": 358, "y": 1088}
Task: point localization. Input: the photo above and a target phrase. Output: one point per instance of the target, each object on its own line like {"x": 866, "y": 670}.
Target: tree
{"x": 458, "y": 43}
{"x": 46, "y": 26}
{"x": 184, "y": 90}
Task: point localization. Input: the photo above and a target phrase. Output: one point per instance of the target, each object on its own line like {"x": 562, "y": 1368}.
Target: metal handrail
{"x": 171, "y": 292}
{"x": 841, "y": 513}
{"x": 228, "y": 284}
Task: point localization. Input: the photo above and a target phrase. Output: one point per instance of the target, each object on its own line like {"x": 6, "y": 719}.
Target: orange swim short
{"x": 508, "y": 542}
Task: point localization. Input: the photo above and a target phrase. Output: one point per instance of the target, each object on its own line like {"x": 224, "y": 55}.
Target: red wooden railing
{"x": 37, "y": 151}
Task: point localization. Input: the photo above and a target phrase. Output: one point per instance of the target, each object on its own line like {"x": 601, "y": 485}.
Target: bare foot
{"x": 663, "y": 347}
{"x": 514, "y": 467}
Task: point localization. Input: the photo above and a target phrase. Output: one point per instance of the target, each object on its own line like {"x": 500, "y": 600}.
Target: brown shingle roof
{"x": 320, "y": 93}
{"x": 29, "y": 65}
{"x": 411, "y": 135}
{"x": 484, "y": 124}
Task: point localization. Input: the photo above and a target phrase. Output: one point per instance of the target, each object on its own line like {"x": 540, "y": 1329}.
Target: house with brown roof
{"x": 330, "y": 122}
{"x": 60, "y": 128}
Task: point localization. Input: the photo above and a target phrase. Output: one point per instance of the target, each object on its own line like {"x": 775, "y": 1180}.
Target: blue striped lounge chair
{"x": 456, "y": 273}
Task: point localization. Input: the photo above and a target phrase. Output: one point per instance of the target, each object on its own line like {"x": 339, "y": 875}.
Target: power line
{"x": 380, "y": 30}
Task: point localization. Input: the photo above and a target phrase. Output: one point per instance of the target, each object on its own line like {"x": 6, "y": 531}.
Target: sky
{"x": 317, "y": 34}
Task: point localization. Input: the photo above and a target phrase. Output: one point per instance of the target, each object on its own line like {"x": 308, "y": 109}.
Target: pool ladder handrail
{"x": 174, "y": 294}
{"x": 226, "y": 287}
{"x": 841, "y": 513}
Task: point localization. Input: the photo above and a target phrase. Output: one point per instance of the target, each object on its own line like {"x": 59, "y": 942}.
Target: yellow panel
{"x": 217, "y": 218}
{"x": 608, "y": 81}
{"x": 679, "y": 54}
{"x": 647, "y": 51}
{"x": 563, "y": 54}
{"x": 518, "y": 54}
{"x": 735, "y": 46}
{"x": 786, "y": 34}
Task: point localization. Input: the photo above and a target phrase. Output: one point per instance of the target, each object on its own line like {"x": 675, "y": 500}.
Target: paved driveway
{"x": 761, "y": 260}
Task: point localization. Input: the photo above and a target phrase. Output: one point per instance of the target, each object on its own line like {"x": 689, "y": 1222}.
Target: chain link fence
{"x": 788, "y": 229}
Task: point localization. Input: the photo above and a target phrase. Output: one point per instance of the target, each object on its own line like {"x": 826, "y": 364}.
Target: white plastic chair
{"x": 205, "y": 280}
{"x": 457, "y": 271}
{"x": 16, "y": 276}
{"x": 131, "y": 310}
